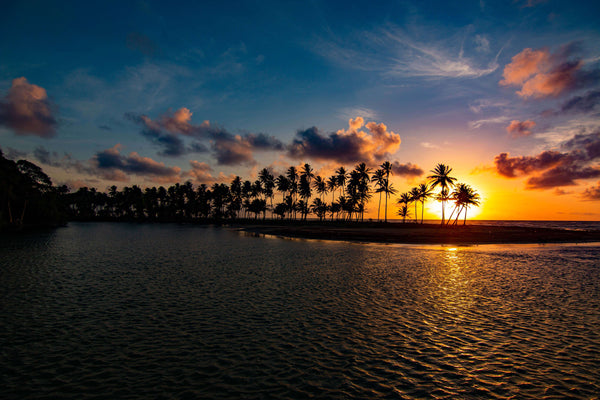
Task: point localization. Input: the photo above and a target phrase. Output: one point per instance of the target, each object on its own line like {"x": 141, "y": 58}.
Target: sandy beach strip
{"x": 422, "y": 234}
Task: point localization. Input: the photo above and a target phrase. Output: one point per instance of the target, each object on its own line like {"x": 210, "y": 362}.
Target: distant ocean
{"x": 570, "y": 225}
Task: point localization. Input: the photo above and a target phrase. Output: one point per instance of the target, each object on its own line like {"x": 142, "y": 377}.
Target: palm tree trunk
{"x": 422, "y": 210}
{"x": 379, "y": 207}
{"x": 385, "y": 211}
{"x": 465, "y": 221}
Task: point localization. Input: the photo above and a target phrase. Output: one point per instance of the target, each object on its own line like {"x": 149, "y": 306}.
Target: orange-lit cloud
{"x": 540, "y": 73}
{"x": 592, "y": 192}
{"x": 227, "y": 148}
{"x": 520, "y": 128}
{"x": 27, "y": 110}
{"x": 346, "y": 146}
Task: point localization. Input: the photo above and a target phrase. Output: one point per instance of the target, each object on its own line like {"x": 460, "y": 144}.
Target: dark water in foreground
{"x": 167, "y": 311}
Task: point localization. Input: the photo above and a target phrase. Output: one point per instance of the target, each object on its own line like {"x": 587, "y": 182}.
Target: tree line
{"x": 294, "y": 195}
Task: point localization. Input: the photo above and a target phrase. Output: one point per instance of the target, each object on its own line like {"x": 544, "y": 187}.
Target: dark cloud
{"x": 408, "y": 170}
{"x": 562, "y": 175}
{"x": 582, "y": 104}
{"x": 347, "y": 146}
{"x": 592, "y": 192}
{"x": 27, "y": 111}
{"x": 553, "y": 169}
{"x": 170, "y": 129}
{"x": 111, "y": 161}
{"x": 105, "y": 127}
{"x": 512, "y": 167}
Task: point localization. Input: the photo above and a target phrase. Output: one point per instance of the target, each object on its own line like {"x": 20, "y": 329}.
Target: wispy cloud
{"x": 393, "y": 53}
{"x": 480, "y": 122}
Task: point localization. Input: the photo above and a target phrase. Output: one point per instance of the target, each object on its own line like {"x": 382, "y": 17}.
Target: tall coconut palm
{"x": 342, "y": 176}
{"x": 425, "y": 192}
{"x": 379, "y": 179}
{"x": 320, "y": 186}
{"x": 283, "y": 185}
{"x": 387, "y": 169}
{"x": 268, "y": 184}
{"x": 332, "y": 184}
{"x": 415, "y": 195}
{"x": 464, "y": 197}
{"x": 441, "y": 177}
{"x": 403, "y": 201}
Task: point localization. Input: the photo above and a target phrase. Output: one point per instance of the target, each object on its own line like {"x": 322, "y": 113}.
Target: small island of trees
{"x": 28, "y": 197}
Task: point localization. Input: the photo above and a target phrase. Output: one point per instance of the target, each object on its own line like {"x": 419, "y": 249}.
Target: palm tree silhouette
{"x": 342, "y": 175}
{"x": 379, "y": 179}
{"x": 387, "y": 169}
{"x": 441, "y": 176}
{"x": 415, "y": 195}
{"x": 424, "y": 193}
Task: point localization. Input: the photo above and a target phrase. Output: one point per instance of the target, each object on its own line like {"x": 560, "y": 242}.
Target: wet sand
{"x": 422, "y": 234}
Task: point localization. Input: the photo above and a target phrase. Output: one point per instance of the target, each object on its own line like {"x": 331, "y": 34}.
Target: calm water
{"x": 168, "y": 311}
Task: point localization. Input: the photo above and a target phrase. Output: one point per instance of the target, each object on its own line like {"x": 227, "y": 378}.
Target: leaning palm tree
{"x": 441, "y": 176}
{"x": 464, "y": 196}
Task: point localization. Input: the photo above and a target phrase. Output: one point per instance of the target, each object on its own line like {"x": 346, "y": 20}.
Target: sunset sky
{"x": 507, "y": 93}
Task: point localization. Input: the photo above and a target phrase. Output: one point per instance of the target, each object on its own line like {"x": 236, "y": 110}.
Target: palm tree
{"x": 464, "y": 197}
{"x": 404, "y": 212}
{"x": 403, "y": 201}
{"x": 332, "y": 184}
{"x": 342, "y": 175}
{"x": 415, "y": 195}
{"x": 379, "y": 179}
{"x": 283, "y": 185}
{"x": 387, "y": 168}
{"x": 424, "y": 193}
{"x": 268, "y": 184}
{"x": 320, "y": 186}
{"x": 441, "y": 176}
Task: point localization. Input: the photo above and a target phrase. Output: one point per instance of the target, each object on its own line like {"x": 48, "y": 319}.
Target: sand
{"x": 421, "y": 234}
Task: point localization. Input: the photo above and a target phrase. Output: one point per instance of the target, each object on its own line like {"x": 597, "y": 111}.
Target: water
{"x": 169, "y": 311}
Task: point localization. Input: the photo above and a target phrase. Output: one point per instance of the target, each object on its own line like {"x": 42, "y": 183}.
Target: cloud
{"x": 511, "y": 167}
{"x": 552, "y": 169}
{"x": 582, "y": 104}
{"x": 201, "y": 173}
{"x": 408, "y": 170}
{"x": 482, "y": 44}
{"x": 479, "y": 123}
{"x": 169, "y": 129}
{"x": 116, "y": 166}
{"x": 520, "y": 128}
{"x": 592, "y": 192}
{"x": 391, "y": 52}
{"x": 346, "y": 146}
{"x": 27, "y": 111}
{"x": 540, "y": 73}
{"x": 13, "y": 154}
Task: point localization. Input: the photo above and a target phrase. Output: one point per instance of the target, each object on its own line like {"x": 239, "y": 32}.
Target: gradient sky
{"x": 151, "y": 93}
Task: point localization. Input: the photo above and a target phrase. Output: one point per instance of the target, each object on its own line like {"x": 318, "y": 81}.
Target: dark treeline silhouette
{"x": 28, "y": 196}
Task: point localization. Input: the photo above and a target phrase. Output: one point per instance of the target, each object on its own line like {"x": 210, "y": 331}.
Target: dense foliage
{"x": 28, "y": 197}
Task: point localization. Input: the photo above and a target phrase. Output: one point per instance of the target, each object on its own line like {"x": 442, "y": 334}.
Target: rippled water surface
{"x": 168, "y": 311}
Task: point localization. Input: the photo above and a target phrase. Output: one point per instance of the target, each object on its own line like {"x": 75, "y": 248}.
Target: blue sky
{"x": 434, "y": 73}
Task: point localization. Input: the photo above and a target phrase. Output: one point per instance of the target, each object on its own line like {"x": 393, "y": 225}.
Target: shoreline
{"x": 422, "y": 234}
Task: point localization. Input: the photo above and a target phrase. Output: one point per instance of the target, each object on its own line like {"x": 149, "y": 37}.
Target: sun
{"x": 433, "y": 209}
